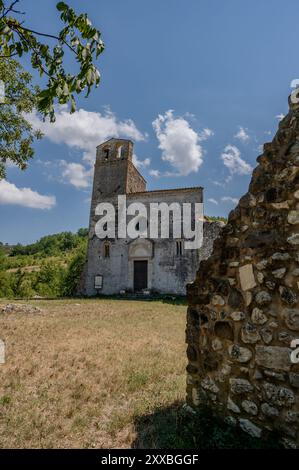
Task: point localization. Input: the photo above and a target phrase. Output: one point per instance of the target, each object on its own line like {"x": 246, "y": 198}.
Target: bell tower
{"x": 114, "y": 171}
{"x": 114, "y": 174}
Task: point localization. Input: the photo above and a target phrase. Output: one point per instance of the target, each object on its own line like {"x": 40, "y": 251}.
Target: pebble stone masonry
{"x": 243, "y": 308}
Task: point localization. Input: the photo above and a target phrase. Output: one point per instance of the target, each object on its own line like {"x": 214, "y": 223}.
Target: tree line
{"x": 51, "y": 267}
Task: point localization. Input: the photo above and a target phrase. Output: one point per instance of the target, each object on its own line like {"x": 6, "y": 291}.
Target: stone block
{"x": 209, "y": 385}
{"x": 240, "y": 354}
{"x": 240, "y": 386}
{"x": 237, "y": 316}
{"x": 291, "y": 318}
{"x": 231, "y": 406}
{"x": 280, "y": 256}
{"x": 266, "y": 334}
{"x": 269, "y": 411}
{"x": 294, "y": 380}
{"x": 263, "y": 298}
{"x": 279, "y": 273}
{"x": 217, "y": 300}
{"x": 250, "y": 407}
{"x": 280, "y": 205}
{"x": 277, "y": 395}
{"x": 247, "y": 278}
{"x": 258, "y": 317}
{"x": 250, "y": 334}
{"x": 293, "y": 217}
{"x": 293, "y": 239}
{"x": 273, "y": 357}
{"x": 250, "y": 428}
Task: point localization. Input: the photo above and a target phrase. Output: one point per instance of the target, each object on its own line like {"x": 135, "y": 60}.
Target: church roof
{"x": 194, "y": 188}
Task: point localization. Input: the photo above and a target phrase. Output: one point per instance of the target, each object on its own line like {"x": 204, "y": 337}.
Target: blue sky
{"x": 223, "y": 68}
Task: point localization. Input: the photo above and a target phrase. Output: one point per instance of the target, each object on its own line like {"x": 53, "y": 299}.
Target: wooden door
{"x": 140, "y": 275}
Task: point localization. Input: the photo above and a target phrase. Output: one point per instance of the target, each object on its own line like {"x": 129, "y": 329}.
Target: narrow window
{"x": 179, "y": 247}
{"x": 106, "y": 154}
{"x": 119, "y": 151}
{"x": 107, "y": 250}
{"x": 123, "y": 152}
{"x": 144, "y": 223}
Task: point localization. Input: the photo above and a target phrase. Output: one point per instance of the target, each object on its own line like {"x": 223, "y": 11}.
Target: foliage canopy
{"x": 77, "y": 36}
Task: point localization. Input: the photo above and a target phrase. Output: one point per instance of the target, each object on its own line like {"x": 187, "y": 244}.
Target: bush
{"x": 74, "y": 273}
{"x": 5, "y": 285}
{"x": 49, "y": 280}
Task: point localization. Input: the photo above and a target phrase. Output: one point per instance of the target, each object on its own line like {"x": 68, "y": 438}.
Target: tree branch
{"x": 52, "y": 36}
{"x": 11, "y": 8}
{"x": 32, "y": 48}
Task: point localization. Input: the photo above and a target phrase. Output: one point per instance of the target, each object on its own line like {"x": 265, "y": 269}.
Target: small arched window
{"x": 106, "y": 250}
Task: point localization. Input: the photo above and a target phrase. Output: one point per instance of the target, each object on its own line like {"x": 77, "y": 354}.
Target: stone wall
{"x": 135, "y": 181}
{"x": 243, "y": 306}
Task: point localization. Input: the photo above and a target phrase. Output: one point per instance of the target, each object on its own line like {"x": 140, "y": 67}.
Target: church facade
{"x": 142, "y": 265}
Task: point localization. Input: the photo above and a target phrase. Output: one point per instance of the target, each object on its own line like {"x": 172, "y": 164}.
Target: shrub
{"x": 74, "y": 272}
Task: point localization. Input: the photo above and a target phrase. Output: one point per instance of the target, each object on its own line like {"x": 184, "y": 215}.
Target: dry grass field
{"x": 102, "y": 374}
{"x": 87, "y": 373}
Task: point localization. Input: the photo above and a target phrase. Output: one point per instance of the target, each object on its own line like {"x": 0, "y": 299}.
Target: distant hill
{"x": 49, "y": 267}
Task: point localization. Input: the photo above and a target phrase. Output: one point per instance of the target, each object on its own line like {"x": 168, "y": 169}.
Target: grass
{"x": 101, "y": 373}
{"x": 81, "y": 373}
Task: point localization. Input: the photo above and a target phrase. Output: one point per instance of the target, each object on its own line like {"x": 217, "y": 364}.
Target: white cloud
{"x": 213, "y": 201}
{"x": 46, "y": 163}
{"x": 218, "y": 183}
{"x": 231, "y": 158}
{"x": 26, "y": 197}
{"x": 180, "y": 144}
{"x": 280, "y": 117}
{"x": 141, "y": 163}
{"x": 155, "y": 173}
{"x": 84, "y": 130}
{"x": 76, "y": 174}
{"x": 230, "y": 199}
{"x": 242, "y": 135}
{"x": 205, "y": 134}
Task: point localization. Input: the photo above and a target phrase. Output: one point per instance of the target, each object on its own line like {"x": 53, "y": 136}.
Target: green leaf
{"x": 73, "y": 105}
{"x": 65, "y": 90}
{"x": 61, "y": 6}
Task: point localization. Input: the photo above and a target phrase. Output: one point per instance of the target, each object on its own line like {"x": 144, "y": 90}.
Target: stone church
{"x": 142, "y": 265}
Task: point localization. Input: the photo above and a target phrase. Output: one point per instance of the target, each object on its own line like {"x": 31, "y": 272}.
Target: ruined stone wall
{"x": 243, "y": 306}
{"x": 135, "y": 181}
